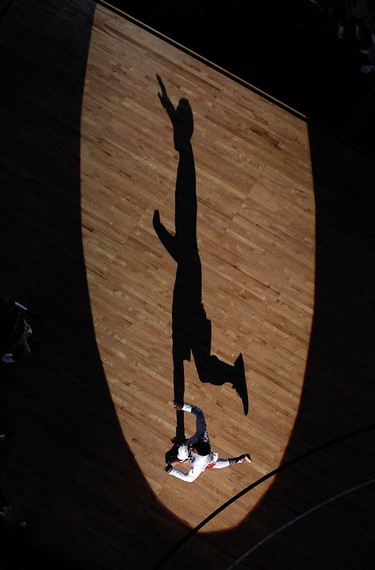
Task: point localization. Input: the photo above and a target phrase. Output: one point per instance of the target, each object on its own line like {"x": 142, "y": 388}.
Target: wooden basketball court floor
{"x": 285, "y": 240}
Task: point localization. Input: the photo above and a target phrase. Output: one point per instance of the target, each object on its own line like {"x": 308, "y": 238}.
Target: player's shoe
{"x": 245, "y": 458}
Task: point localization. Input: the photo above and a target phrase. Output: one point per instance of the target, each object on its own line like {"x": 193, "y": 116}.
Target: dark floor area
{"x": 289, "y": 50}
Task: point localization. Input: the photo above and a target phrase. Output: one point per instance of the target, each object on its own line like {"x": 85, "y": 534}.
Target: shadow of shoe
{"x": 239, "y": 383}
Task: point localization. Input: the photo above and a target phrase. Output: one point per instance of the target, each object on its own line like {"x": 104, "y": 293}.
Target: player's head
{"x": 202, "y": 448}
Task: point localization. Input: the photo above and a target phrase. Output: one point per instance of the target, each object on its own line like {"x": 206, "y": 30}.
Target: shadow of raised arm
{"x": 181, "y": 118}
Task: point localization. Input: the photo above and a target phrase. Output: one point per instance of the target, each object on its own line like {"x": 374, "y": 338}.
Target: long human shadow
{"x": 191, "y": 329}
{"x": 330, "y": 450}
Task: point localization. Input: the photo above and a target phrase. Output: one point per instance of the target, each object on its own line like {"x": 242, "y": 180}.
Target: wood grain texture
{"x": 256, "y": 240}
{"x": 91, "y": 158}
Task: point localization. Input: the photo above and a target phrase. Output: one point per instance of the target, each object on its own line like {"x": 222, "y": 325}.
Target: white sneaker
{"x": 8, "y": 358}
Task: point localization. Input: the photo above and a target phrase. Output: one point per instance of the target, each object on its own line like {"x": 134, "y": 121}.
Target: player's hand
{"x": 177, "y": 405}
{"x": 168, "y": 468}
{"x": 163, "y": 95}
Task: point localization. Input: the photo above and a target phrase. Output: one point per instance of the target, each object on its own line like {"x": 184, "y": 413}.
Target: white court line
{"x": 293, "y": 521}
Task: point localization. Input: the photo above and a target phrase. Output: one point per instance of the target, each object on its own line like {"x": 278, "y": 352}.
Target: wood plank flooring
{"x": 284, "y": 236}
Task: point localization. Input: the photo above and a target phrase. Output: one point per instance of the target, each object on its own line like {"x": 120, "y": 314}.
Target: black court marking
{"x": 282, "y": 467}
